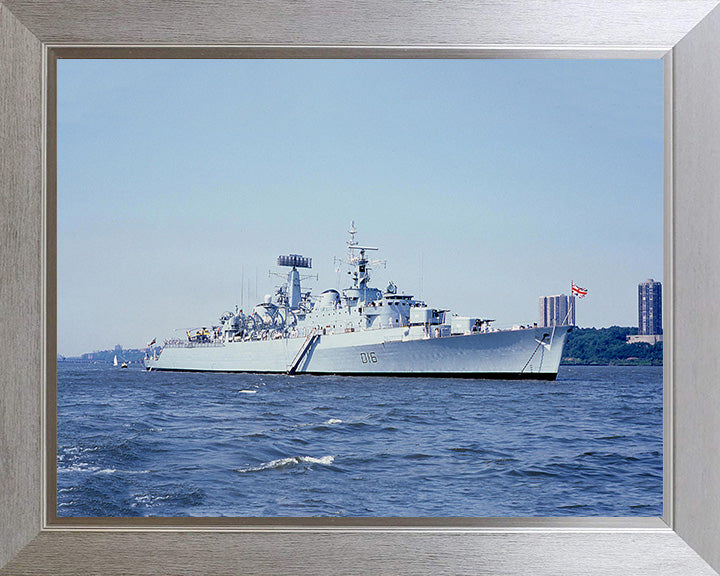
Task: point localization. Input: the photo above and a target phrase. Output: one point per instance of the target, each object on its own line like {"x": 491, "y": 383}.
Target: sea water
{"x": 137, "y": 443}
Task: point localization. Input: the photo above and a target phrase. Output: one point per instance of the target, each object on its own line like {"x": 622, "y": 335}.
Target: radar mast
{"x": 294, "y": 261}
{"x": 361, "y": 275}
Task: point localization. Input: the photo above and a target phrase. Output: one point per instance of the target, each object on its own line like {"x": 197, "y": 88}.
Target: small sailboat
{"x": 115, "y": 362}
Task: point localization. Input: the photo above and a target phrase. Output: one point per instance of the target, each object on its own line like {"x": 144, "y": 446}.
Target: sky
{"x": 485, "y": 184}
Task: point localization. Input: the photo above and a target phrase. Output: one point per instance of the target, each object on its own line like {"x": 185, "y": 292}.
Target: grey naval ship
{"x": 360, "y": 330}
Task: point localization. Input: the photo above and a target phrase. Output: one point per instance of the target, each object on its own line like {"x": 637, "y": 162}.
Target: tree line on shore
{"x": 607, "y": 346}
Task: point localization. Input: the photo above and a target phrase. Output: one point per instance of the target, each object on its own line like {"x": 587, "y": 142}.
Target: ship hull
{"x": 532, "y": 353}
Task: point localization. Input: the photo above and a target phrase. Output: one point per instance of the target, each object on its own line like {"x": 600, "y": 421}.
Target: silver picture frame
{"x": 684, "y": 33}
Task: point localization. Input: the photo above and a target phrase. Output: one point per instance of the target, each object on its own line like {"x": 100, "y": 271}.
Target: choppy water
{"x": 136, "y": 443}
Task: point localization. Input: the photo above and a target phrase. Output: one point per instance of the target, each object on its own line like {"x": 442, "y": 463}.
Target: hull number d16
{"x": 368, "y": 357}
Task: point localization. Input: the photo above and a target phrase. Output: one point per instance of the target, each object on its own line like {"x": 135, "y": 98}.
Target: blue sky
{"x": 485, "y": 183}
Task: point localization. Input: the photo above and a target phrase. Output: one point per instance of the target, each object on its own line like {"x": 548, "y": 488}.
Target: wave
{"x": 290, "y": 461}
{"x": 417, "y": 456}
{"x": 76, "y": 450}
{"x": 255, "y": 435}
{"x": 85, "y": 467}
{"x": 147, "y": 499}
{"x": 79, "y": 467}
{"x": 181, "y": 496}
{"x": 333, "y": 421}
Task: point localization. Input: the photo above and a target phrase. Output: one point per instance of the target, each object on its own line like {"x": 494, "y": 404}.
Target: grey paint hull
{"x": 397, "y": 351}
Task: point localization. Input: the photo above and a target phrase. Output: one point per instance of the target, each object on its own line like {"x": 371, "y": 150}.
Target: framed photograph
{"x": 400, "y": 368}
{"x": 34, "y": 541}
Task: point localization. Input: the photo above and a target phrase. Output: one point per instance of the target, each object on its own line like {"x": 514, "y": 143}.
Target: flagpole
{"x": 581, "y": 293}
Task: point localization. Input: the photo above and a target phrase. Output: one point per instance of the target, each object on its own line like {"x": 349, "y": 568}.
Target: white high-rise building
{"x": 557, "y": 310}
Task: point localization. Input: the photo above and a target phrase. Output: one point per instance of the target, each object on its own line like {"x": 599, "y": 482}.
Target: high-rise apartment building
{"x": 650, "y": 307}
{"x": 649, "y": 314}
{"x": 557, "y": 310}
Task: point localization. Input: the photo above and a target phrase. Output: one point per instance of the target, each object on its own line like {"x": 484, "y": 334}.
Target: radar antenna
{"x": 352, "y": 233}
{"x": 291, "y": 294}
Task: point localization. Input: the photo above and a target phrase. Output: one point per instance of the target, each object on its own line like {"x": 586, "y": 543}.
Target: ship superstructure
{"x": 360, "y": 330}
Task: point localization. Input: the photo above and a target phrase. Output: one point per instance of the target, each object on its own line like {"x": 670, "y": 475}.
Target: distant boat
{"x": 123, "y": 365}
{"x": 115, "y": 362}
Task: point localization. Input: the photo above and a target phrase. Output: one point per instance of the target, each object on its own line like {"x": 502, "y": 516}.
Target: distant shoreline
{"x": 584, "y": 347}
{"x": 608, "y": 347}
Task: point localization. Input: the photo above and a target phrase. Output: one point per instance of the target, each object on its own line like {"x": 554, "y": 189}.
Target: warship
{"x": 360, "y": 330}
